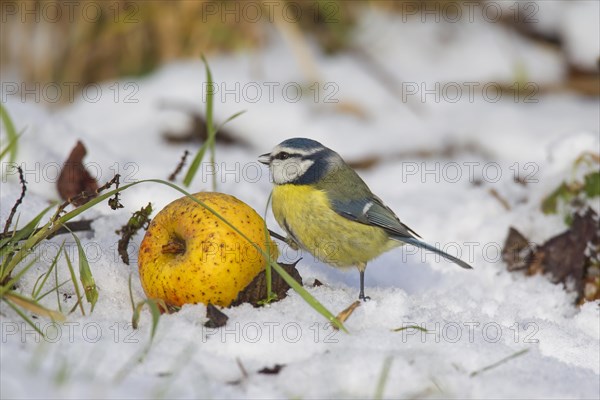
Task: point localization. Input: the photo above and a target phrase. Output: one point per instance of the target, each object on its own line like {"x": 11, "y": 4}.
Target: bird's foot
{"x": 363, "y": 297}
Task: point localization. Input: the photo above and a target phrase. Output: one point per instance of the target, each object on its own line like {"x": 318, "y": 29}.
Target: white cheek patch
{"x": 286, "y": 171}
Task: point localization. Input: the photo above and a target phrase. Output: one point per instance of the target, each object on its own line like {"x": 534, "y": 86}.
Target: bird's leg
{"x": 288, "y": 240}
{"x": 361, "y": 295}
{"x": 292, "y": 243}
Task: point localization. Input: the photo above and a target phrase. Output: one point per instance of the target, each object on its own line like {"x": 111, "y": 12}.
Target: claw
{"x": 362, "y": 297}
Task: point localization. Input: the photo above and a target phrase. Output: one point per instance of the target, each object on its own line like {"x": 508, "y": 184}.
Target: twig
{"x": 494, "y": 365}
{"x": 501, "y": 199}
{"x": 179, "y": 166}
{"x": 139, "y": 220}
{"x": 17, "y": 203}
{"x": 69, "y": 227}
{"x": 241, "y": 367}
{"x": 113, "y": 203}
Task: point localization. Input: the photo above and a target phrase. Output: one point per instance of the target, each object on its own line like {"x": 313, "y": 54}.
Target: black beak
{"x": 265, "y": 159}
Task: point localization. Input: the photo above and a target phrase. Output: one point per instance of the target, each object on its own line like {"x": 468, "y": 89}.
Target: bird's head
{"x": 300, "y": 161}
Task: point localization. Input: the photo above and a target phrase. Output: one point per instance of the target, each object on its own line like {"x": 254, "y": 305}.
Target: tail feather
{"x": 423, "y": 245}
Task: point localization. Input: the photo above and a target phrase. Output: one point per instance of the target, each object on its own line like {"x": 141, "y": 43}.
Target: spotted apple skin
{"x": 189, "y": 255}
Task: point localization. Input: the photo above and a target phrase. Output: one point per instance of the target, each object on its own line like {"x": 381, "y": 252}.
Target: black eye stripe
{"x": 284, "y": 155}
{"x": 281, "y": 156}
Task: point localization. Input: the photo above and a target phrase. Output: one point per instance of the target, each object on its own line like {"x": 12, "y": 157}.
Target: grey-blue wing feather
{"x": 372, "y": 211}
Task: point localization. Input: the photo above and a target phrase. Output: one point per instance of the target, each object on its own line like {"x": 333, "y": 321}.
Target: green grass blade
{"x": 498, "y": 363}
{"x": 86, "y": 277}
{"x": 11, "y": 133}
{"x": 34, "y": 292}
{"x": 234, "y": 116}
{"x": 154, "y": 311}
{"x": 11, "y": 148}
{"x": 308, "y": 298}
{"x": 55, "y": 288}
{"x": 75, "y": 285}
{"x": 6, "y": 244}
{"x": 6, "y": 288}
{"x": 210, "y": 127}
{"x": 383, "y": 377}
{"x": 37, "y": 236}
{"x": 191, "y": 172}
{"x": 139, "y": 358}
{"x": 270, "y": 295}
{"x": 403, "y": 328}
{"x": 23, "y": 316}
{"x": 152, "y": 305}
{"x": 33, "y": 306}
{"x": 210, "y": 131}
{"x": 131, "y": 293}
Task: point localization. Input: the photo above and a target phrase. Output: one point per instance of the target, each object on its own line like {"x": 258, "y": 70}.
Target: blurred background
{"x": 90, "y": 41}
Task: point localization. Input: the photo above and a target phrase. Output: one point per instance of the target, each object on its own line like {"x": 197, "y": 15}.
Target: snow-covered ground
{"x": 474, "y": 318}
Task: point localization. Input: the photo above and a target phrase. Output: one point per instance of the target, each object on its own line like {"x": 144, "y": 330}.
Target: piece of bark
{"x": 216, "y": 317}
{"x": 567, "y": 257}
{"x": 517, "y": 252}
{"x": 256, "y": 292}
{"x": 271, "y": 370}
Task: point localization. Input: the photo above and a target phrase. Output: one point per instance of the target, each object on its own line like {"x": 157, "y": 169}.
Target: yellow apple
{"x": 189, "y": 255}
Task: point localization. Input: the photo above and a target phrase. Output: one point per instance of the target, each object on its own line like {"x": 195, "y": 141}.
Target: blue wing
{"x": 372, "y": 211}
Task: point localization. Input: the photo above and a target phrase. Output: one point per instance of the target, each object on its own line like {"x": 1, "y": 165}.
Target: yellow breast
{"x": 305, "y": 213}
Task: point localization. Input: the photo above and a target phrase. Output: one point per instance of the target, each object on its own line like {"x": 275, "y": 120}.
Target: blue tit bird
{"x": 328, "y": 210}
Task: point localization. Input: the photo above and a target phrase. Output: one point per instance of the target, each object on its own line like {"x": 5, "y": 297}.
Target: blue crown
{"x": 302, "y": 144}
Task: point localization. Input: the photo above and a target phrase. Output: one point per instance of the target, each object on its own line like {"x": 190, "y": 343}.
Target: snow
{"x": 582, "y": 34}
{"x": 575, "y": 23}
{"x": 474, "y": 318}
